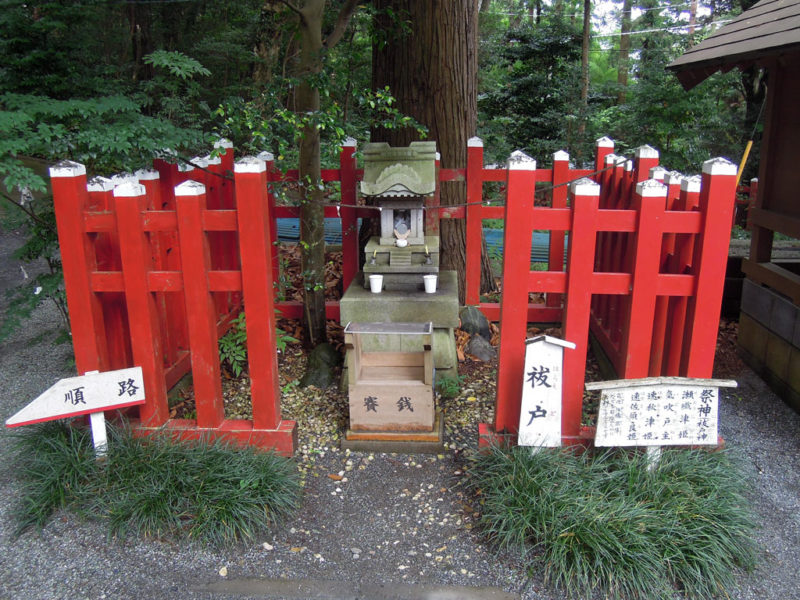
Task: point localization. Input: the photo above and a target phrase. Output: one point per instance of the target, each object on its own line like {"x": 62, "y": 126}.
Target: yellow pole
{"x": 744, "y": 161}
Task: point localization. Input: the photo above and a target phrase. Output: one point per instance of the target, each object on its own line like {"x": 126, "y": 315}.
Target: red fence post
{"x": 474, "y": 227}
{"x": 432, "y": 204}
{"x": 603, "y": 147}
{"x": 520, "y": 189}
{"x": 680, "y": 263}
{"x": 106, "y": 245}
{"x": 255, "y": 243}
{"x": 555, "y": 258}
{"x": 70, "y": 199}
{"x": 347, "y": 212}
{"x": 646, "y": 159}
{"x": 717, "y": 199}
{"x": 137, "y": 262}
{"x": 201, "y": 311}
{"x": 269, "y": 159}
{"x": 650, "y": 202}
{"x": 585, "y": 198}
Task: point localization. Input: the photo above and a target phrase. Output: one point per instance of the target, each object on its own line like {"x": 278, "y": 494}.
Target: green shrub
{"x": 590, "y": 522}
{"x": 155, "y": 486}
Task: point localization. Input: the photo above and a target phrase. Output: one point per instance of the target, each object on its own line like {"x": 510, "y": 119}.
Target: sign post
{"x": 658, "y": 411}
{"x": 88, "y": 394}
{"x": 540, "y": 413}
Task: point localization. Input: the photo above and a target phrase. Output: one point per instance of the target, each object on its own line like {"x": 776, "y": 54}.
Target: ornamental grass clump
{"x": 155, "y": 486}
{"x": 605, "y": 522}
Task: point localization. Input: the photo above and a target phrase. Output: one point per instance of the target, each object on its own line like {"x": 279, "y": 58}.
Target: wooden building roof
{"x": 769, "y": 28}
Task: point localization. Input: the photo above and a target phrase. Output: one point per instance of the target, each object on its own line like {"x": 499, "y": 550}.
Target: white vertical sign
{"x": 540, "y": 413}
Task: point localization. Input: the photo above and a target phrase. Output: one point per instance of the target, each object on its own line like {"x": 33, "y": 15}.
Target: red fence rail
{"x": 156, "y": 267}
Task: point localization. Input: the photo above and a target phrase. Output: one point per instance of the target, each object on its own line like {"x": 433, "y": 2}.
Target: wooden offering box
{"x": 390, "y": 391}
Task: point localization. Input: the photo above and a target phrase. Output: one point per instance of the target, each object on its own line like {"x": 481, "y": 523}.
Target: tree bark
{"x": 312, "y": 240}
{"x": 587, "y": 29}
{"x": 432, "y": 72}
{"x": 624, "y": 51}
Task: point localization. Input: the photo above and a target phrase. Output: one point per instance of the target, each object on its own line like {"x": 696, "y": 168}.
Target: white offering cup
{"x": 402, "y": 243}
{"x": 375, "y": 283}
{"x": 430, "y": 283}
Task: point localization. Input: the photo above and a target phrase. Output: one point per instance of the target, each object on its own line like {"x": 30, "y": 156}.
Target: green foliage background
{"x": 111, "y": 85}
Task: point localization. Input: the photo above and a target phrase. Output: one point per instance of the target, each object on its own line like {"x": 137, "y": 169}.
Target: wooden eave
{"x": 770, "y": 29}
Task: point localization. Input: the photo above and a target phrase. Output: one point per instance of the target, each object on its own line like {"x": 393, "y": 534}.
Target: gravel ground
{"x": 387, "y": 525}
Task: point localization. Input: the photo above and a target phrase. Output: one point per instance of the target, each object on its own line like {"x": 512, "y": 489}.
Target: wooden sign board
{"x": 658, "y": 411}
{"x": 86, "y": 394}
{"x": 540, "y": 413}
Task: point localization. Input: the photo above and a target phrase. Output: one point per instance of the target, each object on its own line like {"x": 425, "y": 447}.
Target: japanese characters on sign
{"x": 83, "y": 395}
{"x": 540, "y": 414}
{"x": 659, "y": 414}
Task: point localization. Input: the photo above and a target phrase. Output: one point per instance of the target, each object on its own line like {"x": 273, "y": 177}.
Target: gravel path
{"x": 393, "y": 526}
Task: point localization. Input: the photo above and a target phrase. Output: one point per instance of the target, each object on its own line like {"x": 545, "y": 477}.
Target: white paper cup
{"x": 375, "y": 283}
{"x": 430, "y": 283}
{"x": 402, "y": 243}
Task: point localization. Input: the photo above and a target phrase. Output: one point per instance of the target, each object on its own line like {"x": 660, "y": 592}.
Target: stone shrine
{"x": 400, "y": 311}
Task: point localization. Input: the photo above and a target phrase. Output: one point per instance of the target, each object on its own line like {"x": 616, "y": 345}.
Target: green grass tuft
{"x": 214, "y": 492}
{"x": 604, "y": 522}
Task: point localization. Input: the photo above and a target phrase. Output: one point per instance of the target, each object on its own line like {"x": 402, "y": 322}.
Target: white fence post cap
{"x": 719, "y": 166}
{"x": 651, "y": 188}
{"x": 691, "y": 184}
{"x": 190, "y": 188}
{"x": 146, "y": 175}
{"x": 266, "y": 156}
{"x": 658, "y": 172}
{"x": 223, "y": 143}
{"x": 585, "y": 187}
{"x": 604, "y": 142}
{"x": 350, "y": 142}
{"x": 475, "y": 142}
{"x": 519, "y": 161}
{"x": 67, "y": 168}
{"x": 100, "y": 184}
{"x": 129, "y": 189}
{"x": 629, "y": 165}
{"x": 250, "y": 164}
{"x": 185, "y": 167}
{"x": 560, "y": 155}
{"x": 673, "y": 177}
{"x": 646, "y": 152}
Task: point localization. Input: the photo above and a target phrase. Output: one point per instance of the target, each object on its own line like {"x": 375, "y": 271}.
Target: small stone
{"x": 267, "y": 546}
{"x": 223, "y": 572}
{"x": 355, "y": 550}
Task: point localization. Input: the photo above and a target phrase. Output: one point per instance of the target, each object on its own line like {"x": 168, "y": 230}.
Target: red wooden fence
{"x": 156, "y": 267}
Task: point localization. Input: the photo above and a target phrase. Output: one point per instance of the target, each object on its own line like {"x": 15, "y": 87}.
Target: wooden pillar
{"x": 650, "y": 202}
{"x": 347, "y": 213}
{"x": 585, "y": 197}
{"x": 474, "y": 221}
{"x": 70, "y": 199}
{"x": 255, "y": 243}
{"x": 717, "y": 199}
{"x": 201, "y": 312}
{"x": 555, "y": 257}
{"x": 137, "y": 263}
{"x": 520, "y": 189}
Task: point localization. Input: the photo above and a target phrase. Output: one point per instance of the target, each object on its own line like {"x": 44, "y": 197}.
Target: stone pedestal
{"x": 359, "y": 305}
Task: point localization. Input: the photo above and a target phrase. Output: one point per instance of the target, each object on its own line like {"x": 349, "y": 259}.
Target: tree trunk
{"x": 587, "y": 28}
{"x": 624, "y": 51}
{"x": 312, "y": 240}
{"x": 432, "y": 73}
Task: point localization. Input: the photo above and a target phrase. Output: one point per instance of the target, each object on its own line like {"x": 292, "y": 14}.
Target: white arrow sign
{"x": 84, "y": 395}
{"x": 90, "y": 394}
